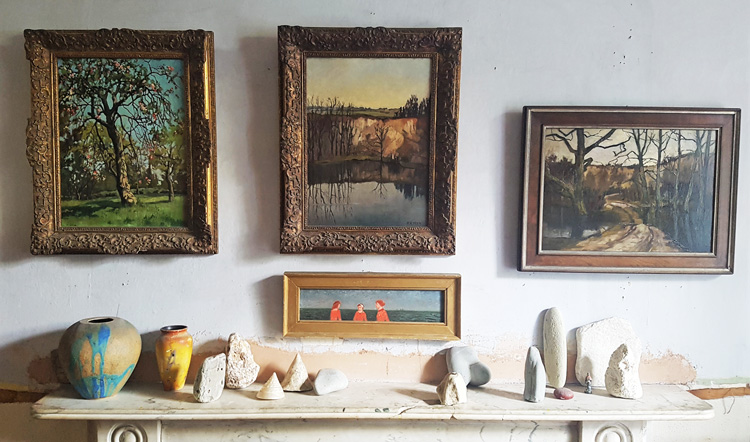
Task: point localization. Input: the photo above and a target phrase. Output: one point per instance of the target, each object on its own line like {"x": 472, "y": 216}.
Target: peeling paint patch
{"x": 42, "y": 371}
{"x": 666, "y": 368}
{"x": 719, "y": 393}
{"x": 19, "y": 396}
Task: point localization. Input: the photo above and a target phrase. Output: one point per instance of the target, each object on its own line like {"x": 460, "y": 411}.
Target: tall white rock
{"x": 241, "y": 367}
{"x": 209, "y": 383}
{"x": 596, "y": 342}
{"x": 534, "y": 377}
{"x": 555, "y": 348}
{"x": 621, "y": 378}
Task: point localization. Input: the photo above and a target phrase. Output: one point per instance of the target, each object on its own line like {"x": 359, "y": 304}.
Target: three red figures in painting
{"x": 360, "y": 314}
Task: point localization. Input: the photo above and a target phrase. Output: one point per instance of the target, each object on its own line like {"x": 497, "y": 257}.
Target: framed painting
{"x": 369, "y": 129}
{"x": 122, "y": 141}
{"x": 372, "y": 305}
{"x": 629, "y": 190}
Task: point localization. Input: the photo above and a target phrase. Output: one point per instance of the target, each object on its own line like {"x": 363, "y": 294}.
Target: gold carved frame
{"x": 196, "y": 49}
{"x": 443, "y": 47}
{"x": 449, "y": 284}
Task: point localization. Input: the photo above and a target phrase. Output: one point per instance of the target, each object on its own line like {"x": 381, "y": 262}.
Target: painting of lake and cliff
{"x": 626, "y": 190}
{"x": 367, "y": 129}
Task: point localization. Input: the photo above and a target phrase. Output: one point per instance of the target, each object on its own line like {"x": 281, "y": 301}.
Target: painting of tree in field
{"x": 367, "y": 141}
{"x": 628, "y": 190}
{"x": 122, "y": 142}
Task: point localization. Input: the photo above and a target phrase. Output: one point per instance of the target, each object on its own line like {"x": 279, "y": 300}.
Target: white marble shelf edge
{"x": 367, "y": 400}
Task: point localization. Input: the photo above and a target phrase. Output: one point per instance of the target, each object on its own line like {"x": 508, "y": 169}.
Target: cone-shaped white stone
{"x": 555, "y": 348}
{"x": 621, "y": 378}
{"x": 465, "y": 361}
{"x": 596, "y": 342}
{"x": 209, "y": 383}
{"x": 297, "y": 378}
{"x": 329, "y": 380}
{"x": 452, "y": 390}
{"x": 535, "y": 379}
{"x": 271, "y": 390}
{"x": 241, "y": 367}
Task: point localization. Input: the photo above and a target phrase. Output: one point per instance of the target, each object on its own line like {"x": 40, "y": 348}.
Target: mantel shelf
{"x": 369, "y": 400}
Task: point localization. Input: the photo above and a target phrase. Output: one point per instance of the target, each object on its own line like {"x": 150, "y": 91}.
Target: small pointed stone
{"x": 209, "y": 383}
{"x": 534, "y": 377}
{"x": 621, "y": 378}
{"x": 271, "y": 390}
{"x": 329, "y": 380}
{"x": 563, "y": 393}
{"x": 464, "y": 360}
{"x": 241, "y": 367}
{"x": 452, "y": 390}
{"x": 297, "y": 378}
{"x": 555, "y": 348}
{"x": 596, "y": 342}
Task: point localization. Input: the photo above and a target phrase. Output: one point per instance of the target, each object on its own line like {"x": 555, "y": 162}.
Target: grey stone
{"x": 534, "y": 377}
{"x": 241, "y": 367}
{"x": 555, "y": 348}
{"x": 209, "y": 383}
{"x": 595, "y": 343}
{"x": 271, "y": 390}
{"x": 329, "y": 380}
{"x": 452, "y": 390}
{"x": 621, "y": 378}
{"x": 465, "y": 361}
{"x": 297, "y": 378}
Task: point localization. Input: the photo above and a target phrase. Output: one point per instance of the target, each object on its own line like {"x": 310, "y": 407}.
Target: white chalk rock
{"x": 297, "y": 378}
{"x": 209, "y": 383}
{"x": 452, "y": 390}
{"x": 596, "y": 342}
{"x": 534, "y": 377}
{"x": 555, "y": 348}
{"x": 271, "y": 390}
{"x": 241, "y": 367}
{"x": 329, "y": 380}
{"x": 621, "y": 377}
{"x": 465, "y": 361}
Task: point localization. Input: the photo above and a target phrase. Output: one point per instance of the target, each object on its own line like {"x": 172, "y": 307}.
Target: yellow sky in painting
{"x": 369, "y": 82}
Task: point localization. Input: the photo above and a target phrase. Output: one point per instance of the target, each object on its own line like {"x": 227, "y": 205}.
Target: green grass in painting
{"x": 151, "y": 211}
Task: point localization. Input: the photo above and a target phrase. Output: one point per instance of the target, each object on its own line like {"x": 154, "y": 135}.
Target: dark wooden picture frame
{"x": 629, "y": 190}
{"x": 160, "y": 82}
{"x": 434, "y": 232}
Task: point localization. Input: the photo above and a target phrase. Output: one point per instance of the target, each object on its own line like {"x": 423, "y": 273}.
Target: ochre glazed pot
{"x": 174, "y": 349}
{"x": 99, "y": 354}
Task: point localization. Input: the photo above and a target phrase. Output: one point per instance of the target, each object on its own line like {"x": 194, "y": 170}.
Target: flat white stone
{"x": 452, "y": 390}
{"x": 241, "y": 367}
{"x": 555, "y": 348}
{"x": 329, "y": 380}
{"x": 596, "y": 342}
{"x": 297, "y": 378}
{"x": 464, "y": 360}
{"x": 622, "y": 379}
{"x": 535, "y": 378}
{"x": 271, "y": 390}
{"x": 209, "y": 383}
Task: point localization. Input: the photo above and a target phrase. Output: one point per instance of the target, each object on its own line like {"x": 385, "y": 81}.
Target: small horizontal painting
{"x": 371, "y": 305}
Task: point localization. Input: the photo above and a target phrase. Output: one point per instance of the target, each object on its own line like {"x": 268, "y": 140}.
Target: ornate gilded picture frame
{"x": 629, "y": 190}
{"x": 369, "y": 131}
{"x": 372, "y": 305}
{"x": 122, "y": 141}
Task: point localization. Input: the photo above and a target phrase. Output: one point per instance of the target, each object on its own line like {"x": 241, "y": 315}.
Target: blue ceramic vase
{"x": 98, "y": 355}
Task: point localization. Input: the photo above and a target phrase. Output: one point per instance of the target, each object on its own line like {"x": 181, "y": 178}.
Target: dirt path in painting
{"x": 631, "y": 235}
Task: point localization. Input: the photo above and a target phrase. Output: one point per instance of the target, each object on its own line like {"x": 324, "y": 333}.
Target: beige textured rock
{"x": 297, "y": 378}
{"x": 241, "y": 367}
{"x": 596, "y": 342}
{"x": 452, "y": 390}
{"x": 621, "y": 378}
{"x": 271, "y": 390}
{"x": 555, "y": 348}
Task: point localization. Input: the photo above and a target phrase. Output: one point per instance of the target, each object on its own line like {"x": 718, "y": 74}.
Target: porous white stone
{"x": 452, "y": 390}
{"x": 465, "y": 361}
{"x": 555, "y": 348}
{"x": 297, "y": 378}
{"x": 241, "y": 367}
{"x": 209, "y": 383}
{"x": 329, "y": 380}
{"x": 271, "y": 390}
{"x": 621, "y": 378}
{"x": 596, "y": 342}
{"x": 534, "y": 377}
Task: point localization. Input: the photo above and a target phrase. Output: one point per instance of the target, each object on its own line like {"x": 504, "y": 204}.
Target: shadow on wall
{"x": 29, "y": 361}
{"x": 508, "y": 218}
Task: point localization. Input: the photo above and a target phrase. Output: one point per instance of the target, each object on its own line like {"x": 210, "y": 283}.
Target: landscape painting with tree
{"x": 123, "y": 150}
{"x": 628, "y": 190}
{"x": 367, "y": 141}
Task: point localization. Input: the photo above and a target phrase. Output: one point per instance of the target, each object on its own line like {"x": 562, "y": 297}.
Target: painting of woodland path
{"x": 628, "y": 190}
{"x": 367, "y": 142}
{"x": 122, "y": 142}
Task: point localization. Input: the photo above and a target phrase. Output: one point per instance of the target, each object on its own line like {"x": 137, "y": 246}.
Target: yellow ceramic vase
{"x": 174, "y": 348}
